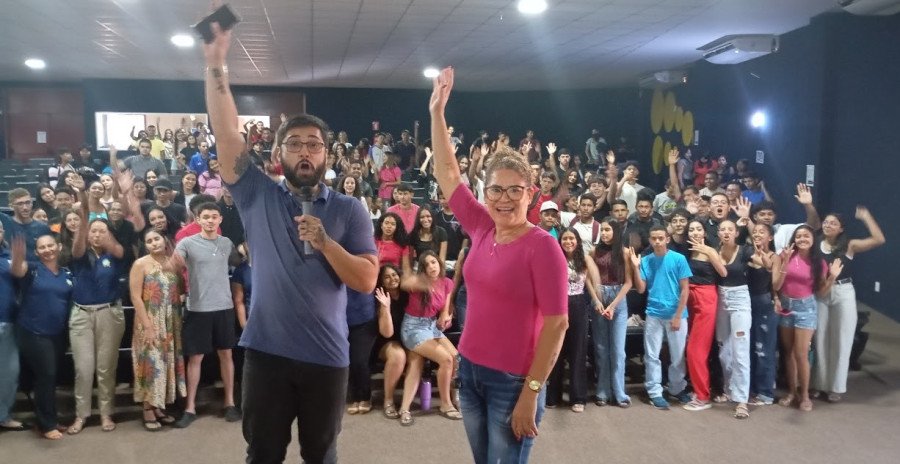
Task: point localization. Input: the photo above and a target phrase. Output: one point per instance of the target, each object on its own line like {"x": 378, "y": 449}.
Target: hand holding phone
{"x": 224, "y": 16}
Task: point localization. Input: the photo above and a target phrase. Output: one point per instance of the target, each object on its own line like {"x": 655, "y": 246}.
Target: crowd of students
{"x": 718, "y": 273}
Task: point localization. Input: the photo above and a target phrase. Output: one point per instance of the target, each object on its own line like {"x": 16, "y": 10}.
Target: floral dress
{"x": 159, "y": 368}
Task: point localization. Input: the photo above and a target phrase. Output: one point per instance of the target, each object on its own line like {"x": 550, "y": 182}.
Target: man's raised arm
{"x": 223, "y": 116}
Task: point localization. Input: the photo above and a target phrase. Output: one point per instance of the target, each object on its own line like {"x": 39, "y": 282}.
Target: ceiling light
{"x": 532, "y": 7}
{"x": 431, "y": 73}
{"x": 35, "y": 63}
{"x": 758, "y": 120}
{"x": 183, "y": 40}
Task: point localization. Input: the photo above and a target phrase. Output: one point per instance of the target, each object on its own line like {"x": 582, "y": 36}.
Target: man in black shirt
{"x": 405, "y": 150}
{"x": 231, "y": 226}
{"x": 87, "y": 166}
{"x": 176, "y": 214}
{"x": 444, "y": 217}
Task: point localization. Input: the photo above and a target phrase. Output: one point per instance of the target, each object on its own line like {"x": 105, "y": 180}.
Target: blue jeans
{"x": 9, "y": 369}
{"x": 733, "y": 324}
{"x": 609, "y": 346}
{"x": 487, "y": 398}
{"x": 462, "y": 302}
{"x": 764, "y": 340}
{"x": 655, "y": 330}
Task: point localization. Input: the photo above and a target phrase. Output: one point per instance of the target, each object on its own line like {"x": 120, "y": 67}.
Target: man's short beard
{"x": 298, "y": 180}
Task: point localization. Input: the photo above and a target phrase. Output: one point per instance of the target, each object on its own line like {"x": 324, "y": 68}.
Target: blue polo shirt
{"x": 46, "y": 300}
{"x": 96, "y": 278}
{"x": 7, "y": 291}
{"x": 198, "y": 164}
{"x": 298, "y": 303}
{"x": 663, "y": 275}
{"x": 33, "y": 230}
{"x": 360, "y": 307}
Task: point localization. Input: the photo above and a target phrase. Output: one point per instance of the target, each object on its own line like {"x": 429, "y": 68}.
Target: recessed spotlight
{"x": 35, "y": 63}
{"x": 183, "y": 40}
{"x": 532, "y": 7}
{"x": 431, "y": 73}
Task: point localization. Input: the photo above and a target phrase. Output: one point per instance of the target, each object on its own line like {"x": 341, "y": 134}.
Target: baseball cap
{"x": 163, "y": 183}
{"x": 547, "y": 205}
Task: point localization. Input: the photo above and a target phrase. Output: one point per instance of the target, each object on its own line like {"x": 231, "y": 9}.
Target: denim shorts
{"x": 416, "y": 330}
{"x": 804, "y": 313}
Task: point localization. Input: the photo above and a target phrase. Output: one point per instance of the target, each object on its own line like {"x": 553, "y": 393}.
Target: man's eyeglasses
{"x": 313, "y": 146}
{"x": 514, "y": 192}
{"x": 22, "y": 203}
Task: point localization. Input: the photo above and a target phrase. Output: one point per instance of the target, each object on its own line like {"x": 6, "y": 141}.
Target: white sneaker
{"x": 697, "y": 405}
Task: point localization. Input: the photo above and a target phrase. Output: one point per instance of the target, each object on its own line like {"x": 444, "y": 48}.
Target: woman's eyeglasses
{"x": 513, "y": 192}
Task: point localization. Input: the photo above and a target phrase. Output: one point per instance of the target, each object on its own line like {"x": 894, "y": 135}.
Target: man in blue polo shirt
{"x": 21, "y": 223}
{"x": 297, "y": 353}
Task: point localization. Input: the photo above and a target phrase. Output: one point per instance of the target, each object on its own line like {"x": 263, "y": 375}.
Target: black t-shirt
{"x": 176, "y": 215}
{"x": 759, "y": 280}
{"x": 232, "y": 228}
{"x": 89, "y": 171}
{"x": 703, "y": 272}
{"x": 125, "y": 234}
{"x": 437, "y": 237}
{"x": 398, "y": 310}
{"x": 737, "y": 270}
{"x": 406, "y": 152}
{"x": 454, "y": 231}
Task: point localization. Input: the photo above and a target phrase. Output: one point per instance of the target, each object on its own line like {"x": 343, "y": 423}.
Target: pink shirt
{"x": 389, "y": 252}
{"x": 511, "y": 288}
{"x": 440, "y": 290}
{"x": 408, "y": 216}
{"x": 798, "y": 280}
{"x": 388, "y": 175}
{"x": 210, "y": 185}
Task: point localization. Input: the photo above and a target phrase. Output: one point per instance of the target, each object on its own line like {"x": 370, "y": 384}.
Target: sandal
{"x": 834, "y": 398}
{"x": 453, "y": 414}
{"x": 108, "y": 425}
{"x": 53, "y": 435}
{"x": 152, "y": 424}
{"x": 720, "y": 398}
{"x": 577, "y": 407}
{"x": 406, "y": 418}
{"x": 162, "y": 417}
{"x": 806, "y": 405}
{"x": 787, "y": 401}
{"x": 390, "y": 411}
{"x": 74, "y": 429}
{"x": 741, "y": 411}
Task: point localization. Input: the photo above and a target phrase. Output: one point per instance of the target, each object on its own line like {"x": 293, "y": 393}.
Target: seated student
{"x": 428, "y": 236}
{"x": 392, "y": 301}
{"x": 392, "y": 242}
{"x": 405, "y": 208}
{"x": 664, "y": 275}
{"x": 755, "y": 188}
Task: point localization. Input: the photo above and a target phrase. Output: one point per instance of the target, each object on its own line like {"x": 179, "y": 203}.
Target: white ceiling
{"x": 385, "y": 43}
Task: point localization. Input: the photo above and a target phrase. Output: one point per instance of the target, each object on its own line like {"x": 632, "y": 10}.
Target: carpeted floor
{"x": 863, "y": 428}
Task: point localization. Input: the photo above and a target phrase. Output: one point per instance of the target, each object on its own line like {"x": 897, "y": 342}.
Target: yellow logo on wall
{"x": 668, "y": 121}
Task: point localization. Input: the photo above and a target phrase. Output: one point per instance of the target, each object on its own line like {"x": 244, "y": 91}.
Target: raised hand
{"x": 804, "y": 194}
{"x": 862, "y": 213}
{"x": 610, "y": 157}
{"x": 742, "y": 208}
{"x": 673, "y": 156}
{"x": 551, "y": 148}
{"x": 125, "y": 181}
{"x": 836, "y": 267}
{"x": 787, "y": 251}
{"x": 216, "y": 51}
{"x": 634, "y": 257}
{"x": 382, "y": 297}
{"x": 701, "y": 247}
{"x": 18, "y": 247}
{"x": 612, "y": 172}
{"x": 525, "y": 148}
{"x": 485, "y": 149}
{"x": 442, "y": 85}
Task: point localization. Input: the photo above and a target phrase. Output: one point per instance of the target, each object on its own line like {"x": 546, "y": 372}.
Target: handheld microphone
{"x": 307, "y": 205}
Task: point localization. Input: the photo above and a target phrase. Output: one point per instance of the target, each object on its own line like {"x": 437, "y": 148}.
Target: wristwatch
{"x": 534, "y": 384}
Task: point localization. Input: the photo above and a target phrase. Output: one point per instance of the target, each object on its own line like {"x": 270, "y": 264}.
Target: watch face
{"x": 534, "y": 385}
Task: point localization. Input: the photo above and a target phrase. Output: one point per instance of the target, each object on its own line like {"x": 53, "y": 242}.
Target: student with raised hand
{"x": 799, "y": 275}
{"x": 392, "y": 301}
{"x": 297, "y": 352}
{"x": 837, "y": 309}
{"x": 502, "y": 386}
{"x": 97, "y": 323}
{"x": 664, "y": 275}
{"x": 46, "y": 301}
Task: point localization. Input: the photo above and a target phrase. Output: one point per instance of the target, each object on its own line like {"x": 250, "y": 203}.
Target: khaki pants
{"x": 95, "y": 333}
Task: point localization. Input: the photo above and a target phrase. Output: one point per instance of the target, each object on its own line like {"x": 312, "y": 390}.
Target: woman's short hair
{"x": 509, "y": 159}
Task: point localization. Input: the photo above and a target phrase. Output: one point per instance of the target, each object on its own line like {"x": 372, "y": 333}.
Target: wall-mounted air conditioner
{"x": 733, "y": 49}
{"x": 663, "y": 79}
{"x": 870, "y": 7}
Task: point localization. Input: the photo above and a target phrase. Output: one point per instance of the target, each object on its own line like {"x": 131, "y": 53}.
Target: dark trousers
{"x": 278, "y": 390}
{"x": 41, "y": 355}
{"x": 362, "y": 339}
{"x": 574, "y": 351}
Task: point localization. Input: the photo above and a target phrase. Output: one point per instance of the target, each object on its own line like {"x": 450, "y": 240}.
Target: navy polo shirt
{"x": 241, "y": 275}
{"x": 33, "y": 230}
{"x": 96, "y": 278}
{"x": 298, "y": 302}
{"x": 360, "y": 307}
{"x": 7, "y": 291}
{"x": 46, "y": 300}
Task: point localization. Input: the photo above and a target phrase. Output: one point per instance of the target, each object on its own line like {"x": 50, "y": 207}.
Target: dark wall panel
{"x": 58, "y": 111}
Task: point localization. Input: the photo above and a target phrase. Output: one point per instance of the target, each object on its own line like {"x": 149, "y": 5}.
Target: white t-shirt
{"x": 629, "y": 194}
{"x": 586, "y": 231}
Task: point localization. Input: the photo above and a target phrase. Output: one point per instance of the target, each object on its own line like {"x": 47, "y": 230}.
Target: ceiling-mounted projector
{"x": 733, "y": 49}
{"x": 663, "y": 79}
{"x": 870, "y": 7}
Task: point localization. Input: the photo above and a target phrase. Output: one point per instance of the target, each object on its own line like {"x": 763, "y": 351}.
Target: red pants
{"x": 702, "y": 301}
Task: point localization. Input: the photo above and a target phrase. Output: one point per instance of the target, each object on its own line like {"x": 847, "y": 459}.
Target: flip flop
{"x": 390, "y": 411}
{"x": 741, "y": 412}
{"x": 74, "y": 429}
{"x": 453, "y": 414}
{"x": 406, "y": 418}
